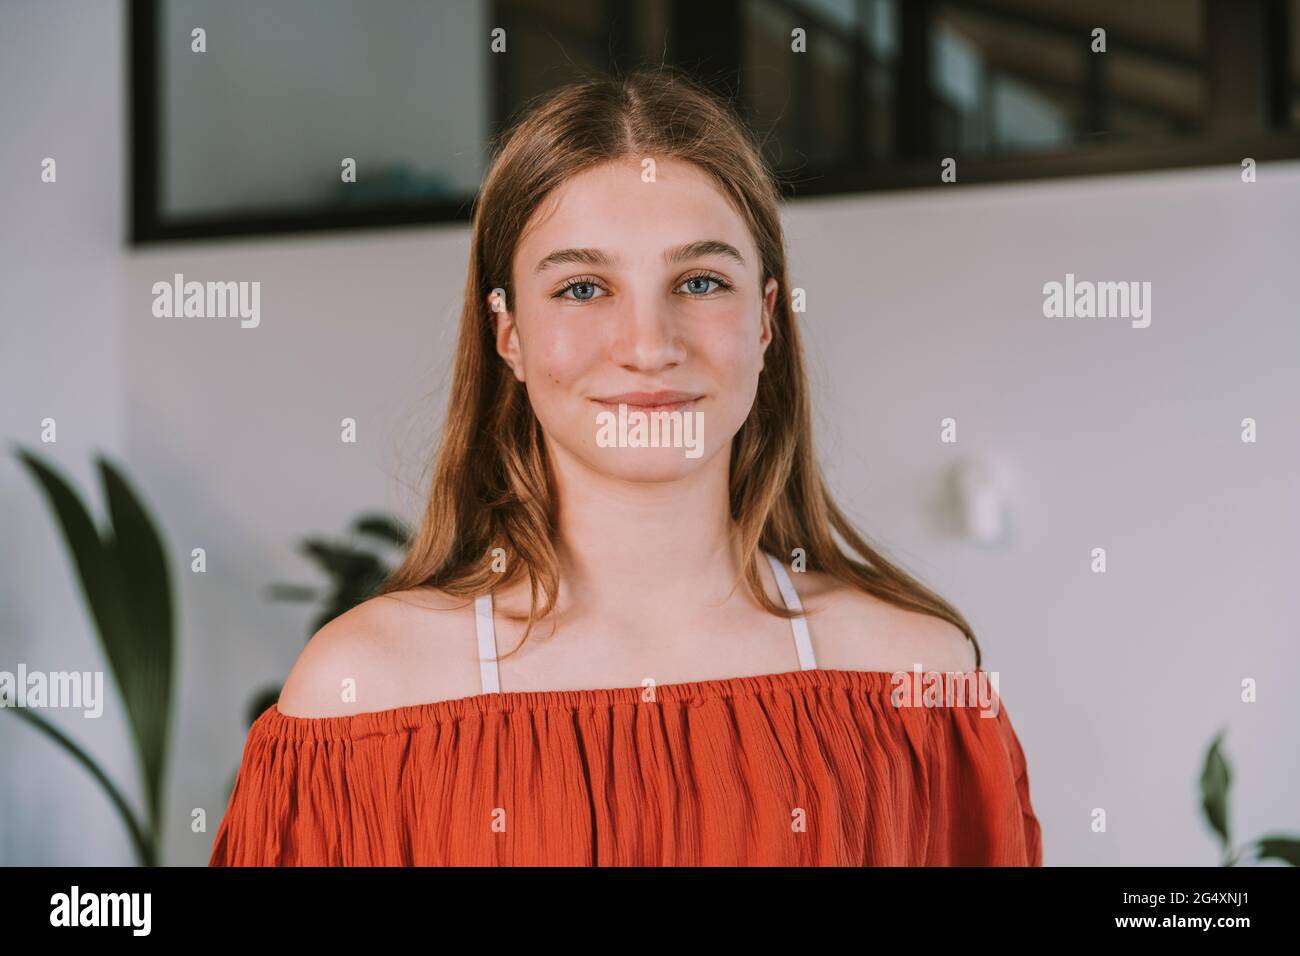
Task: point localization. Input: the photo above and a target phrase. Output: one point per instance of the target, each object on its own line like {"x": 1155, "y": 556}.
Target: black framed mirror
{"x": 385, "y": 115}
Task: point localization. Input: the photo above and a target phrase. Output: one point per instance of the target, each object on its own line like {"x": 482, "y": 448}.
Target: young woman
{"x": 674, "y": 693}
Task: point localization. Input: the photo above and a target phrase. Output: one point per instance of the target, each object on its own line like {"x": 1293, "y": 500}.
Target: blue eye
{"x": 699, "y": 285}
{"x": 583, "y": 289}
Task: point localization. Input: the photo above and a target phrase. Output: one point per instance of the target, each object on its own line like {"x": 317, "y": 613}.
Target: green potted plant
{"x": 124, "y": 575}
{"x": 355, "y": 568}
{"x": 1215, "y": 781}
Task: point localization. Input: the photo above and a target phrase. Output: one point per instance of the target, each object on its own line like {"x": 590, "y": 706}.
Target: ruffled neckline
{"x": 412, "y": 716}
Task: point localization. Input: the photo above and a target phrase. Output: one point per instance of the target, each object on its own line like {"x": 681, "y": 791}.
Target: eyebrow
{"x": 597, "y": 257}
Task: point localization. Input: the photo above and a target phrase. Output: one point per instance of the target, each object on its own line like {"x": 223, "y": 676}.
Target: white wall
{"x": 61, "y": 356}
{"x": 928, "y": 305}
{"x": 921, "y": 306}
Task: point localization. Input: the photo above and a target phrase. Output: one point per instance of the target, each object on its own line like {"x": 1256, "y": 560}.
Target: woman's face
{"x": 628, "y": 284}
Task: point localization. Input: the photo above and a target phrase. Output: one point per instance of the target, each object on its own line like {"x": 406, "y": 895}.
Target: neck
{"x": 626, "y": 543}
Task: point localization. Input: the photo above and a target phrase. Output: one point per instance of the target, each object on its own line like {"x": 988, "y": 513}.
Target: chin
{"x": 646, "y": 464}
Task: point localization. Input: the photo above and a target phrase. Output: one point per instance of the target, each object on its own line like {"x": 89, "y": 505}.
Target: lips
{"x": 666, "y": 401}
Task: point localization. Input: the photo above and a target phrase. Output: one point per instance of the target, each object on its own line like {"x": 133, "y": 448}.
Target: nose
{"x": 647, "y": 335}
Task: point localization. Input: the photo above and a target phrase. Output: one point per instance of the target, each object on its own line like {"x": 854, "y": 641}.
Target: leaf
{"x": 385, "y": 527}
{"x": 338, "y": 559}
{"x": 265, "y": 698}
{"x": 1215, "y": 780}
{"x": 97, "y": 572}
{"x": 1279, "y": 846}
{"x": 123, "y": 578}
{"x": 292, "y": 592}
{"x": 143, "y": 661}
{"x": 144, "y": 845}
{"x": 356, "y": 573}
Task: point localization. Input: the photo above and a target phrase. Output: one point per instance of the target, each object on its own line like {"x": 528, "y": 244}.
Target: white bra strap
{"x": 489, "y": 676}
{"x": 802, "y": 641}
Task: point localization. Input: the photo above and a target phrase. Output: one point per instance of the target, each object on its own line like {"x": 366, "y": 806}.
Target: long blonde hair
{"x": 492, "y": 486}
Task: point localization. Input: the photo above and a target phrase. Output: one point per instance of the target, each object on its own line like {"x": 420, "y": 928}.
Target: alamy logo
{"x": 206, "y": 300}
{"x": 1087, "y": 300}
{"x": 640, "y": 429}
{"x": 65, "y": 689}
{"x": 102, "y": 909}
{"x": 918, "y": 688}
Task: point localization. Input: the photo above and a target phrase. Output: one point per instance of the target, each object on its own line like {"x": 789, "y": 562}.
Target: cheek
{"x": 735, "y": 356}
{"x": 730, "y": 344}
{"x": 558, "y": 353}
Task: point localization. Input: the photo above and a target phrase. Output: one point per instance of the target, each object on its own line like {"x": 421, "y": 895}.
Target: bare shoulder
{"x": 854, "y": 630}
{"x": 407, "y": 647}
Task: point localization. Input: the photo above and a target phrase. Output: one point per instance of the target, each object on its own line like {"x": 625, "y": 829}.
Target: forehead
{"x": 611, "y": 207}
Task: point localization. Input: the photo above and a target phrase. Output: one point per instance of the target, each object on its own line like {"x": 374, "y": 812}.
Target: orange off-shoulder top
{"x": 813, "y": 767}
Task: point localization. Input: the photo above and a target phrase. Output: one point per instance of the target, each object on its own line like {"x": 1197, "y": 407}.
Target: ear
{"x": 770, "y": 292}
{"x": 506, "y": 332}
